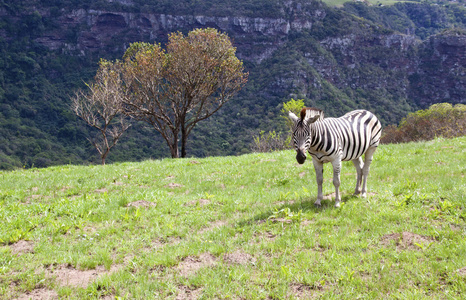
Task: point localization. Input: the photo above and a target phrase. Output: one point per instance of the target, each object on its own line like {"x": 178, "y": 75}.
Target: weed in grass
{"x": 285, "y": 215}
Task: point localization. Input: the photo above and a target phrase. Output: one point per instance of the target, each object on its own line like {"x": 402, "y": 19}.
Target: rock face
{"x": 441, "y": 74}
{"x": 428, "y": 72}
{"x": 112, "y": 31}
{"x": 365, "y": 57}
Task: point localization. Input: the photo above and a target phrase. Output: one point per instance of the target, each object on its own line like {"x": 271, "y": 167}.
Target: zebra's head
{"x": 302, "y": 130}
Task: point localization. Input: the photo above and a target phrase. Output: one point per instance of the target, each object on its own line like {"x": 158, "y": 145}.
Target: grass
{"x": 237, "y": 227}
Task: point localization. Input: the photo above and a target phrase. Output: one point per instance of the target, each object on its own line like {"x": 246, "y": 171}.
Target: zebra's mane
{"x": 309, "y": 112}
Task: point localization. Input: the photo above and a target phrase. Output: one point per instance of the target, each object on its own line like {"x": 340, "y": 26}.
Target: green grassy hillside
{"x": 237, "y": 227}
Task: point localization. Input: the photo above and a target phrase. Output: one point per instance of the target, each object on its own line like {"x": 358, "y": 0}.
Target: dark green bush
{"x": 439, "y": 120}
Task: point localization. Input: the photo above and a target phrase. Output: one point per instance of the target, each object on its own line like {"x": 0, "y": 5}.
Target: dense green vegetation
{"x": 38, "y": 129}
{"x": 439, "y": 120}
{"x": 237, "y": 227}
{"x": 412, "y": 18}
{"x": 34, "y": 118}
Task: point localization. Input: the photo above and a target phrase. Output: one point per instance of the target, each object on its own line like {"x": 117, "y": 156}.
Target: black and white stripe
{"x": 334, "y": 140}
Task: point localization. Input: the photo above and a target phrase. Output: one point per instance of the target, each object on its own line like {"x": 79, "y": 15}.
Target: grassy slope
{"x": 239, "y": 227}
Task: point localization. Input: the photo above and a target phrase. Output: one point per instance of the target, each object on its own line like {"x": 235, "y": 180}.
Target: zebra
{"x": 335, "y": 140}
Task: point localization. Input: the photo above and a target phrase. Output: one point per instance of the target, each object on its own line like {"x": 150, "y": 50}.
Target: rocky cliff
{"x": 361, "y": 56}
{"x": 383, "y": 59}
{"x": 104, "y": 31}
{"x": 441, "y": 72}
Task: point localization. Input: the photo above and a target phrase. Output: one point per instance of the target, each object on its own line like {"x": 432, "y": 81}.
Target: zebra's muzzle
{"x": 300, "y": 157}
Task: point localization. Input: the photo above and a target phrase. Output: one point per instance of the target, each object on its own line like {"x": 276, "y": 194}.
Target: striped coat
{"x": 334, "y": 140}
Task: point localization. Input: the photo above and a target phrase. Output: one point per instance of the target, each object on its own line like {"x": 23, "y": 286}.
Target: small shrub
{"x": 294, "y": 106}
{"x": 270, "y": 141}
{"x": 441, "y": 119}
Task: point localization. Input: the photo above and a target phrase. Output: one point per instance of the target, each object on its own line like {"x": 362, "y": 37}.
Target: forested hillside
{"x": 391, "y": 60}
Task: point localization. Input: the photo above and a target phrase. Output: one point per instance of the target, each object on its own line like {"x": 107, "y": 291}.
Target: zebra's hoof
{"x": 318, "y": 205}
{"x": 337, "y": 205}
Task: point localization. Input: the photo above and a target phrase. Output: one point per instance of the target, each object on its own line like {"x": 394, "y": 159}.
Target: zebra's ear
{"x": 313, "y": 119}
{"x": 293, "y": 117}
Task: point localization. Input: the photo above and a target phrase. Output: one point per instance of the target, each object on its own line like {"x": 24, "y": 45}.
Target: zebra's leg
{"x": 319, "y": 167}
{"x": 358, "y": 164}
{"x": 336, "y": 180}
{"x": 365, "y": 169}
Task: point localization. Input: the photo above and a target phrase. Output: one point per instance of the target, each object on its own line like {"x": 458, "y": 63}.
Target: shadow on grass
{"x": 296, "y": 206}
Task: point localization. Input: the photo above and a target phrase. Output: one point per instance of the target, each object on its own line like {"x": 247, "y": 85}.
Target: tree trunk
{"x": 174, "y": 148}
{"x": 184, "y": 138}
{"x": 174, "y": 152}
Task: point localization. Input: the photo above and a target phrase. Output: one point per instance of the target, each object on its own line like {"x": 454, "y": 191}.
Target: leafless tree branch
{"x": 101, "y": 107}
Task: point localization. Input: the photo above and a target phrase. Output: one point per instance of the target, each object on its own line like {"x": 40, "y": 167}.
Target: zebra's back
{"x": 351, "y": 135}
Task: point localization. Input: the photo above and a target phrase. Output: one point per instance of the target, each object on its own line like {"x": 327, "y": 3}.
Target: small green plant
{"x": 16, "y": 235}
{"x": 294, "y": 106}
{"x": 348, "y": 277}
{"x": 283, "y": 196}
{"x": 208, "y": 196}
{"x": 270, "y": 141}
{"x": 424, "y": 247}
{"x": 286, "y": 214}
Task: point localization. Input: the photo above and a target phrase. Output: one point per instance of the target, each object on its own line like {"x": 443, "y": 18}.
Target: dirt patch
{"x": 212, "y": 226}
{"x": 200, "y": 202}
{"x": 141, "y": 203}
{"x": 194, "y": 162}
{"x": 103, "y": 190}
{"x": 462, "y": 272}
{"x": 88, "y": 230}
{"x": 173, "y": 185}
{"x": 329, "y": 196}
{"x": 302, "y": 174}
{"x": 39, "y": 294}
{"x": 22, "y": 247}
{"x": 36, "y": 197}
{"x": 67, "y": 275}
{"x": 281, "y": 203}
{"x": 238, "y": 258}
{"x": 406, "y": 240}
{"x": 332, "y": 195}
{"x": 186, "y": 293}
{"x": 65, "y": 188}
{"x": 306, "y": 222}
{"x": 260, "y": 236}
{"x": 281, "y": 220}
{"x": 301, "y": 291}
{"x": 191, "y": 264}
{"x": 158, "y": 243}
{"x": 268, "y": 160}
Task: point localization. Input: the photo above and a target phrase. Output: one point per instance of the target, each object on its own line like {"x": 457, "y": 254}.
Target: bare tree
{"x": 176, "y": 88}
{"x": 101, "y": 107}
